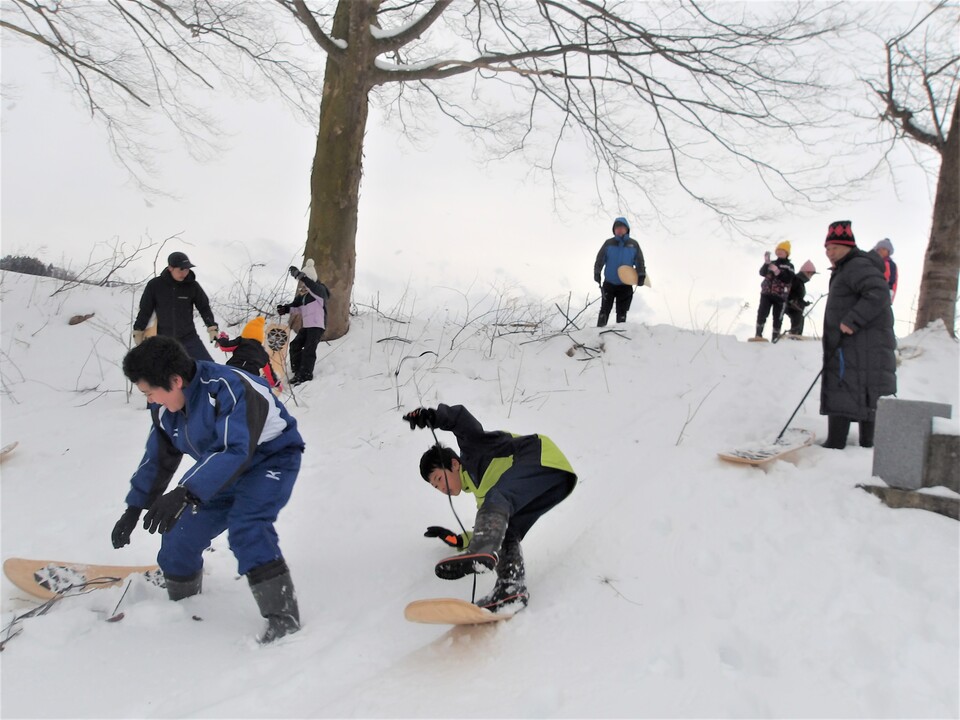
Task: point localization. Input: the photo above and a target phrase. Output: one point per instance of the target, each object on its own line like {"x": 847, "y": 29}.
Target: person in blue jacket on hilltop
{"x": 247, "y": 453}
{"x": 619, "y": 250}
{"x": 515, "y": 478}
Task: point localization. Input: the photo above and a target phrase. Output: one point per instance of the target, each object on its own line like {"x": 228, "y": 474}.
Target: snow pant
{"x": 839, "y": 427}
{"x": 525, "y": 493}
{"x": 195, "y": 347}
{"x": 303, "y": 352}
{"x": 796, "y": 319}
{"x": 768, "y": 302}
{"x": 247, "y": 510}
{"x": 609, "y": 292}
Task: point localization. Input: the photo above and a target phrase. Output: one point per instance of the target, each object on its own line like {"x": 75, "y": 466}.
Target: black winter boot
{"x": 867, "y": 429}
{"x": 483, "y": 552}
{"x": 272, "y": 588}
{"x": 179, "y": 588}
{"x": 511, "y": 585}
{"x": 837, "y": 430}
{"x": 602, "y": 319}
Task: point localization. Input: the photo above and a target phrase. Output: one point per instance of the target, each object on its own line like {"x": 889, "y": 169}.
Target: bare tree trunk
{"x": 337, "y": 165}
{"x": 941, "y": 264}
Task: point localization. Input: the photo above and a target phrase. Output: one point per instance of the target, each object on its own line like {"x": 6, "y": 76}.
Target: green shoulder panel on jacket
{"x": 550, "y": 456}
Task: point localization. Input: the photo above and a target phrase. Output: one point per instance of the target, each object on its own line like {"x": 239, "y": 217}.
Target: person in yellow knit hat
{"x": 777, "y": 276}
{"x": 249, "y": 353}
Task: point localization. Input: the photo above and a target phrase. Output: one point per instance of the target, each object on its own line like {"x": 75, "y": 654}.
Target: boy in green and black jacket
{"x": 516, "y": 479}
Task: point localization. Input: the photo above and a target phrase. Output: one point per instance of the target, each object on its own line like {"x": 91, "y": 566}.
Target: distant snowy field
{"x": 670, "y": 584}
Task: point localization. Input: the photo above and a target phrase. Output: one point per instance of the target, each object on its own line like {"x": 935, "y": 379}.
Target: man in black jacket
{"x": 173, "y": 295}
{"x": 859, "y": 346}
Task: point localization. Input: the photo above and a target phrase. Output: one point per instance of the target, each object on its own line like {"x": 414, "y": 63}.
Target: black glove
{"x": 448, "y": 536}
{"x": 283, "y": 309}
{"x": 125, "y": 525}
{"x": 167, "y": 509}
{"x": 295, "y": 272}
{"x": 421, "y": 418}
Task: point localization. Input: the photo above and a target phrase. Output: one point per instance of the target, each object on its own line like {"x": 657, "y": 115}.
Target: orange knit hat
{"x": 254, "y": 329}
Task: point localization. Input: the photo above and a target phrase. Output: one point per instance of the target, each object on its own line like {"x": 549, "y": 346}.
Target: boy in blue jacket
{"x": 619, "y": 250}
{"x": 247, "y": 453}
{"x": 516, "y": 479}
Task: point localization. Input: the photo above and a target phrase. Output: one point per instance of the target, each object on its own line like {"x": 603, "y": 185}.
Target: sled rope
{"x": 804, "y": 398}
{"x": 436, "y": 443}
{"x": 42, "y": 609}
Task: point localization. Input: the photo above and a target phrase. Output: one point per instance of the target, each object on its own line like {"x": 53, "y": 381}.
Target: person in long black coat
{"x": 859, "y": 346}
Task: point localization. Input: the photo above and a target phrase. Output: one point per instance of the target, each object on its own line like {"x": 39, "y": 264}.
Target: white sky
{"x": 436, "y": 217}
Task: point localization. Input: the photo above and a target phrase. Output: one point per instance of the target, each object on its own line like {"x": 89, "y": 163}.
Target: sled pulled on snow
{"x": 451, "y": 611}
{"x": 48, "y": 578}
{"x": 759, "y": 453}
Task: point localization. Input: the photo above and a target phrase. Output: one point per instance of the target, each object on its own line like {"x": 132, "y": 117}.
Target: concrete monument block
{"x": 900, "y": 443}
{"x": 943, "y": 462}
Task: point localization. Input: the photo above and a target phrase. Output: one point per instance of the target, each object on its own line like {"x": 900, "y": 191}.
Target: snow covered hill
{"x": 670, "y": 584}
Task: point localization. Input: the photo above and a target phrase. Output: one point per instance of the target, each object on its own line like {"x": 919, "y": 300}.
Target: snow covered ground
{"x": 670, "y": 584}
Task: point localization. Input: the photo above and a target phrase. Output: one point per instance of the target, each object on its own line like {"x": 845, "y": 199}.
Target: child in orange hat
{"x": 249, "y": 353}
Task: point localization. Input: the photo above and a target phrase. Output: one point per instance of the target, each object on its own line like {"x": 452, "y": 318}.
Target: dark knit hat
{"x": 841, "y": 233}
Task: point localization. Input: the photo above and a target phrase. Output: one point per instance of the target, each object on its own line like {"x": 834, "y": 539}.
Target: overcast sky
{"x": 435, "y": 217}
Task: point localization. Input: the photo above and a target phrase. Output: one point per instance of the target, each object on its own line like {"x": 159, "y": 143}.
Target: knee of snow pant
{"x": 527, "y": 493}
{"x": 608, "y": 293}
{"x": 624, "y": 300}
{"x": 309, "y": 357}
{"x": 258, "y": 496}
{"x": 181, "y": 548}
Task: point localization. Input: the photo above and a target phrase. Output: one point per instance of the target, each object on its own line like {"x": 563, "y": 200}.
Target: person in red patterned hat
{"x": 859, "y": 346}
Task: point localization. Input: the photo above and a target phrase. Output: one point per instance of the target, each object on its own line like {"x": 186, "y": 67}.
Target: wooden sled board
{"x": 759, "y": 453}
{"x": 46, "y": 578}
{"x": 628, "y": 275}
{"x": 450, "y": 611}
{"x": 276, "y": 339}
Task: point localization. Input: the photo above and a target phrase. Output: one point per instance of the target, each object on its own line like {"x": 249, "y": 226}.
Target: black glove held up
{"x": 125, "y": 526}
{"x": 283, "y": 309}
{"x": 421, "y": 418}
{"x": 447, "y": 536}
{"x": 167, "y": 509}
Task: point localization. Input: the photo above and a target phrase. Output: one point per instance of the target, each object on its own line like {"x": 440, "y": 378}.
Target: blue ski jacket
{"x": 619, "y": 251}
{"x": 230, "y": 423}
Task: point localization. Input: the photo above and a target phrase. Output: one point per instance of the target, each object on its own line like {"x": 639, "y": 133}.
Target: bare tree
{"x": 917, "y": 93}
{"x": 648, "y": 90}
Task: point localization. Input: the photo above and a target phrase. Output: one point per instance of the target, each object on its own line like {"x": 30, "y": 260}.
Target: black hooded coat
{"x": 858, "y": 369}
